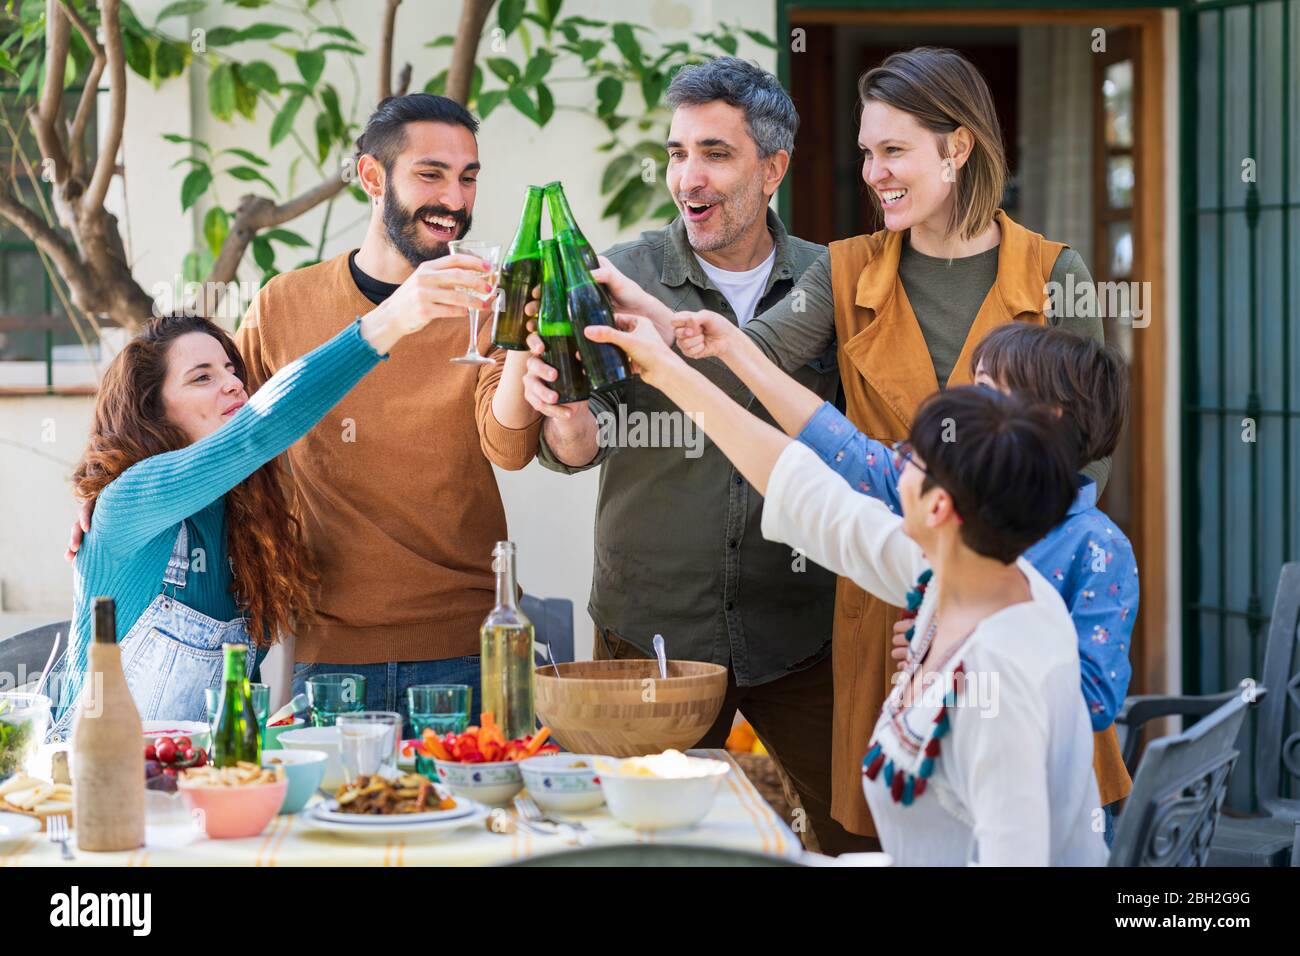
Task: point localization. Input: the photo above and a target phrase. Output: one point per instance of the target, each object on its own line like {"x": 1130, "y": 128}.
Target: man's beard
{"x": 406, "y": 231}
{"x": 737, "y": 214}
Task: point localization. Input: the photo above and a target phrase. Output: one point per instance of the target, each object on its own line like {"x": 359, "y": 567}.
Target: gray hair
{"x": 770, "y": 115}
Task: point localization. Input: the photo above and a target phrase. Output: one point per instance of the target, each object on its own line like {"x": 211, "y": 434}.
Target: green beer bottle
{"x": 606, "y": 364}
{"x": 557, "y": 205}
{"x": 557, "y": 332}
{"x": 521, "y": 270}
{"x": 235, "y": 734}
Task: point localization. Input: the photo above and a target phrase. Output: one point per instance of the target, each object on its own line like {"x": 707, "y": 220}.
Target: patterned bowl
{"x": 563, "y": 783}
{"x": 494, "y": 784}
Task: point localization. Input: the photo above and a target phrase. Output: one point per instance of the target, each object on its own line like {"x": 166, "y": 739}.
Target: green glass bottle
{"x": 606, "y": 365}
{"x": 556, "y": 331}
{"x": 520, "y": 272}
{"x": 235, "y": 735}
{"x": 557, "y": 205}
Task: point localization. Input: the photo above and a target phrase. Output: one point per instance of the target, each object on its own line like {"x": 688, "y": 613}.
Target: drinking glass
{"x": 444, "y": 708}
{"x": 368, "y": 742}
{"x": 490, "y": 253}
{"x": 329, "y": 695}
{"x": 260, "y": 693}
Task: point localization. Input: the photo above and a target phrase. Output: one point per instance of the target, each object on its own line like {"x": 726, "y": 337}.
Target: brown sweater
{"x": 399, "y": 501}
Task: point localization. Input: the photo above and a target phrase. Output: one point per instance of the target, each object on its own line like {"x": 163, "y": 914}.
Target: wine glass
{"x": 490, "y": 253}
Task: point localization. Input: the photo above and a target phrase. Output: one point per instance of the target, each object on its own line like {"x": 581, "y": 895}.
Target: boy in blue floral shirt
{"x": 1087, "y": 557}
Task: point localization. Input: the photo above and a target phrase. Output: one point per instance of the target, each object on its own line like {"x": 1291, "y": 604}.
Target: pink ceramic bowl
{"x": 226, "y": 813}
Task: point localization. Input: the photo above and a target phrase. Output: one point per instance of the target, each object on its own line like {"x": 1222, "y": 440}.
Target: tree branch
{"x": 77, "y": 134}
{"x": 43, "y": 235}
{"x": 386, "y": 50}
{"x": 473, "y": 14}
{"x": 47, "y": 119}
{"x": 106, "y": 162}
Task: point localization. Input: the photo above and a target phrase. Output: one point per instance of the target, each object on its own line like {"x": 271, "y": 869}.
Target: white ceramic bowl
{"x": 325, "y": 739}
{"x": 660, "y": 803}
{"x": 198, "y": 731}
{"x": 493, "y": 783}
{"x": 558, "y": 786}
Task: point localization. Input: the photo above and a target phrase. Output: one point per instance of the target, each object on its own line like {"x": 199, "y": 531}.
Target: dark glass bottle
{"x": 556, "y": 331}
{"x": 606, "y": 364}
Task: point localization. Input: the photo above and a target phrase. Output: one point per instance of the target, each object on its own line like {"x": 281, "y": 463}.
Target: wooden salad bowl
{"x": 624, "y": 708}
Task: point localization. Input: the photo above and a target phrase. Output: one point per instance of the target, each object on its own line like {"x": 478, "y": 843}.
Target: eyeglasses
{"x": 904, "y": 454}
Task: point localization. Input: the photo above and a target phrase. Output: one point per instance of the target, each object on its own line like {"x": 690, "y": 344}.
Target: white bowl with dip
{"x": 660, "y": 792}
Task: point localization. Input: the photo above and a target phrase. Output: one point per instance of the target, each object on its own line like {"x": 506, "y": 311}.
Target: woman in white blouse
{"x": 983, "y": 752}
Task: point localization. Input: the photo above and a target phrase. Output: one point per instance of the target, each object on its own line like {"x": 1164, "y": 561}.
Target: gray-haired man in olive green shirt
{"x": 679, "y": 549}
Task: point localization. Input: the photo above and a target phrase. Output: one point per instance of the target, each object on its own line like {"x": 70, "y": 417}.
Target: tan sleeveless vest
{"x": 886, "y": 371}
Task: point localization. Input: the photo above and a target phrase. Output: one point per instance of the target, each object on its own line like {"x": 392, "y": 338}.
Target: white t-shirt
{"x": 742, "y": 289}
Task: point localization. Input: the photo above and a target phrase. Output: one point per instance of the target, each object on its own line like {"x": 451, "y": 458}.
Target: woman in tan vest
{"x": 904, "y": 309}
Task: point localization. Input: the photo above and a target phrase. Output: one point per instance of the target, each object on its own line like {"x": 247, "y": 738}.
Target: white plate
{"x": 328, "y": 811}
{"x": 477, "y": 814}
{"x": 16, "y": 825}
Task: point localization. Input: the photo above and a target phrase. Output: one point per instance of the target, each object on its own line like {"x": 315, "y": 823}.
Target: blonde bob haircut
{"x": 944, "y": 91}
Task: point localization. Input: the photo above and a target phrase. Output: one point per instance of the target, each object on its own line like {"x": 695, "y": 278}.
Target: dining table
{"x": 740, "y": 819}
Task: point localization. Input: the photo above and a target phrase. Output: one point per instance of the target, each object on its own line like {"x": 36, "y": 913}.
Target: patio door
{"x": 1241, "y": 341}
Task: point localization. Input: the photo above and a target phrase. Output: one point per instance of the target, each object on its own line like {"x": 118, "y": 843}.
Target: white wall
{"x": 555, "y": 540}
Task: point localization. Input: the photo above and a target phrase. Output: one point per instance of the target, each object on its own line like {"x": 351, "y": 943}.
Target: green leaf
{"x": 7, "y": 64}
{"x": 195, "y": 185}
{"x": 445, "y": 40}
{"x": 245, "y": 95}
{"x": 489, "y": 101}
{"x": 178, "y": 138}
{"x": 652, "y": 87}
{"x": 139, "y": 56}
{"x": 666, "y": 213}
{"x": 283, "y": 123}
{"x": 761, "y": 38}
{"x": 192, "y": 160}
{"x": 249, "y": 175}
{"x": 245, "y": 154}
{"x": 222, "y": 36}
{"x": 330, "y": 98}
{"x": 438, "y": 85}
{"x": 216, "y": 226}
{"x": 475, "y": 82}
{"x": 583, "y": 22}
{"x": 192, "y": 267}
{"x": 324, "y": 136}
{"x": 509, "y": 15}
{"x": 545, "y": 104}
{"x": 311, "y": 64}
{"x": 170, "y": 59}
{"x": 181, "y": 8}
{"x": 503, "y": 68}
{"x": 340, "y": 32}
{"x": 285, "y": 236}
{"x": 263, "y": 254}
{"x": 636, "y": 204}
{"x": 341, "y": 48}
{"x": 618, "y": 170}
{"x": 537, "y": 68}
{"x": 358, "y": 194}
{"x": 260, "y": 74}
{"x": 221, "y": 92}
{"x": 548, "y": 10}
{"x": 520, "y": 100}
{"x": 626, "y": 41}
{"x": 608, "y": 93}
{"x": 262, "y": 31}
{"x": 727, "y": 42}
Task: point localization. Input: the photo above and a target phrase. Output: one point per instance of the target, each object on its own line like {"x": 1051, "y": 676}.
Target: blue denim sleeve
{"x": 1103, "y": 604}
{"x": 866, "y": 464}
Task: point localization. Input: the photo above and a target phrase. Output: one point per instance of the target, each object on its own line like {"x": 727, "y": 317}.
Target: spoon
{"x": 659, "y": 652}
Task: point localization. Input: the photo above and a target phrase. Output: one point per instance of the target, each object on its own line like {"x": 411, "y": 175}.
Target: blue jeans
{"x": 1109, "y": 811}
{"x": 386, "y": 684}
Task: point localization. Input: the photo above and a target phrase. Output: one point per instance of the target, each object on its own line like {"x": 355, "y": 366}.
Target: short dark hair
{"x": 385, "y": 132}
{"x": 1087, "y": 380}
{"x": 1006, "y": 464}
{"x": 770, "y": 115}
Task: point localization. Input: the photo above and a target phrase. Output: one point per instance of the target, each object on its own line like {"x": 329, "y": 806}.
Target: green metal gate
{"x": 1240, "y": 171}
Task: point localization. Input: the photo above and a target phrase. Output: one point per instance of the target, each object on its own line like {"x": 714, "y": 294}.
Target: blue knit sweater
{"x": 138, "y": 515}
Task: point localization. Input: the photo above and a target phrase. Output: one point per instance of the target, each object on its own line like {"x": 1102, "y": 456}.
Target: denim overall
{"x": 172, "y": 652}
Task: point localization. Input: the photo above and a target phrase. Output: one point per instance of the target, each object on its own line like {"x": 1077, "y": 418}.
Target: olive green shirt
{"x": 679, "y": 546}
{"x": 945, "y": 295}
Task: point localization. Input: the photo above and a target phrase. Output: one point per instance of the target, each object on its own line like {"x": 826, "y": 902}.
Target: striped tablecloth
{"x": 740, "y": 819}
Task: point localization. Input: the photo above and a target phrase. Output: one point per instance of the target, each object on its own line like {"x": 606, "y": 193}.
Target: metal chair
{"x": 23, "y": 656}
{"x": 552, "y": 622}
{"x": 1179, "y": 788}
{"x": 1271, "y": 837}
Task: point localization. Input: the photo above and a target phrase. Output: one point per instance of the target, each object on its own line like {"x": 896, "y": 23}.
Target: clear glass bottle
{"x": 507, "y": 653}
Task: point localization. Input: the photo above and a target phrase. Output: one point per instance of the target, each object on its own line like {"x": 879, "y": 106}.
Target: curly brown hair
{"x": 274, "y": 577}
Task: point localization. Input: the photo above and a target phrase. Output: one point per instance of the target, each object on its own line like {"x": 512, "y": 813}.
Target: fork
{"x": 530, "y": 812}
{"x": 58, "y": 827}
